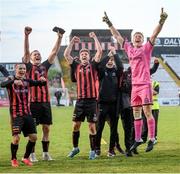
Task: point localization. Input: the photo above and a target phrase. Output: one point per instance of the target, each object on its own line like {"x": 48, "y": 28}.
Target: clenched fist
{"x": 27, "y": 30}
{"x": 92, "y": 35}
{"x": 75, "y": 39}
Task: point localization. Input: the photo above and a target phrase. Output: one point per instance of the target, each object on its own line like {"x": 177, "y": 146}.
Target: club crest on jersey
{"x": 42, "y": 70}
{"x": 25, "y": 83}
{"x": 146, "y": 100}
{"x": 36, "y": 72}
{"x": 95, "y": 118}
{"x": 113, "y": 74}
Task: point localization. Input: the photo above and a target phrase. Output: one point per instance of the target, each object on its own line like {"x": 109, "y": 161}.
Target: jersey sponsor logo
{"x": 21, "y": 90}
{"x": 42, "y": 70}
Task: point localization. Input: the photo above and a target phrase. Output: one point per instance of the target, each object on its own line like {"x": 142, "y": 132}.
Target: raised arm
{"x": 117, "y": 60}
{"x": 67, "y": 52}
{"x": 155, "y": 66}
{"x": 56, "y": 48}
{"x": 26, "y": 57}
{"x": 158, "y": 28}
{"x": 113, "y": 30}
{"x": 4, "y": 71}
{"x": 99, "y": 51}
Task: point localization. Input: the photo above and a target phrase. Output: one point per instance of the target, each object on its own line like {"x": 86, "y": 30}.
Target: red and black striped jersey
{"x": 86, "y": 77}
{"x": 19, "y": 96}
{"x": 34, "y": 72}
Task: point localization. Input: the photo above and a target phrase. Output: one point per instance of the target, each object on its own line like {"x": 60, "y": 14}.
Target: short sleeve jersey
{"x": 39, "y": 93}
{"x": 86, "y": 79}
{"x": 139, "y": 60}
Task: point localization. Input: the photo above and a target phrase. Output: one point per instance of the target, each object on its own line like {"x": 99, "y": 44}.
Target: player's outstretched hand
{"x": 156, "y": 60}
{"x": 106, "y": 20}
{"x": 163, "y": 16}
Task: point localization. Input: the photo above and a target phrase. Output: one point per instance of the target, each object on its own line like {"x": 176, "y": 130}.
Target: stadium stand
{"x": 174, "y": 61}
{"x": 169, "y": 94}
{"x": 167, "y": 49}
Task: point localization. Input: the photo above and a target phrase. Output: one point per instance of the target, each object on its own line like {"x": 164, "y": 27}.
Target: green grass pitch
{"x": 164, "y": 158}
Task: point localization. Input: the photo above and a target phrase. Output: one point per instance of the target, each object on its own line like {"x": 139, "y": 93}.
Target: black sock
{"x": 14, "y": 148}
{"x": 117, "y": 140}
{"x": 75, "y": 137}
{"x": 45, "y": 146}
{"x": 29, "y": 147}
{"x": 92, "y": 139}
{"x": 33, "y": 150}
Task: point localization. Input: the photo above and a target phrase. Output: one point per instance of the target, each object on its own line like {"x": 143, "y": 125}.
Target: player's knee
{"x": 147, "y": 114}
{"x": 137, "y": 114}
{"x": 33, "y": 138}
{"x": 92, "y": 129}
{"x": 76, "y": 126}
{"x": 147, "y": 111}
{"x": 46, "y": 128}
{"x": 16, "y": 139}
